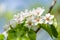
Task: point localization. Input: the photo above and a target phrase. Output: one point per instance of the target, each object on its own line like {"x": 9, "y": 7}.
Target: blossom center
{"x": 37, "y": 19}
{"x": 29, "y": 23}
{"x": 47, "y": 19}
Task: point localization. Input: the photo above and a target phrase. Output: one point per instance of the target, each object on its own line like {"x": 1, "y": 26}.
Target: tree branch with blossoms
{"x": 27, "y": 23}
{"x": 50, "y": 9}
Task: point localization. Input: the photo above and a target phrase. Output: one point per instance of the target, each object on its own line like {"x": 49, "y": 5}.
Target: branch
{"x": 52, "y": 5}
{"x": 50, "y": 9}
{"x": 37, "y": 30}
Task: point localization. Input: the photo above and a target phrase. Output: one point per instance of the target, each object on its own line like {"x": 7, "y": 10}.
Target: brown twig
{"x": 37, "y": 30}
{"x": 50, "y": 9}
{"x": 52, "y": 5}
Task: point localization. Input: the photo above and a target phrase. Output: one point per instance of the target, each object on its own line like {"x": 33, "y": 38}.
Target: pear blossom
{"x": 18, "y": 18}
{"x": 5, "y": 35}
{"x": 25, "y": 13}
{"x": 49, "y": 18}
{"x": 38, "y": 20}
{"x": 29, "y": 20}
{"x": 6, "y": 27}
{"x": 12, "y": 23}
{"x": 39, "y": 11}
{"x": 34, "y": 12}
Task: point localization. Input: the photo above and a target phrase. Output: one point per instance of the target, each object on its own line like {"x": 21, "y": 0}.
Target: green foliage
{"x": 21, "y": 32}
{"x": 32, "y": 35}
{"x": 50, "y": 29}
{"x": 47, "y": 28}
{"x": 54, "y": 31}
{"x": 1, "y": 37}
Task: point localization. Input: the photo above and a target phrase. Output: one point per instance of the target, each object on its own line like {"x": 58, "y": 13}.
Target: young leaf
{"x": 25, "y": 38}
{"x": 54, "y": 31}
{"x": 32, "y": 35}
{"x": 11, "y": 35}
{"x": 46, "y": 27}
{"x": 1, "y": 37}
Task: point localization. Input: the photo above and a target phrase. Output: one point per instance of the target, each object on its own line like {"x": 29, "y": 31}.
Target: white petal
{"x": 52, "y": 16}
{"x": 13, "y": 23}
{"x": 46, "y": 21}
{"x": 36, "y": 23}
{"x": 50, "y": 22}
{"x": 41, "y": 21}
{"x": 48, "y": 15}
{"x": 40, "y": 11}
{"x": 6, "y": 27}
{"x": 5, "y": 35}
{"x": 15, "y": 16}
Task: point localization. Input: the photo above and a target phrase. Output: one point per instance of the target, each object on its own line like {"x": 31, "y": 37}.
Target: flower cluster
{"x": 34, "y": 17}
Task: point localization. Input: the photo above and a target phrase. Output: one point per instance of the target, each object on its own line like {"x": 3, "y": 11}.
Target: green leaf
{"x": 20, "y": 26}
{"x": 1, "y": 37}
{"x": 50, "y": 29}
{"x": 11, "y": 35}
{"x": 54, "y": 31}
{"x": 18, "y": 32}
{"x": 47, "y": 28}
{"x": 55, "y": 22}
{"x": 32, "y": 35}
{"x": 17, "y": 35}
{"x": 25, "y": 38}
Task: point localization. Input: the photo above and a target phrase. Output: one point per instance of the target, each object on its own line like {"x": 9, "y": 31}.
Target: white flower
{"x": 34, "y": 12}
{"x": 49, "y": 18}
{"x": 6, "y": 27}
{"x": 39, "y": 11}
{"x": 25, "y": 13}
{"x": 18, "y": 18}
{"x": 29, "y": 21}
{"x": 28, "y": 24}
{"x": 5, "y": 35}
{"x": 38, "y": 21}
{"x": 12, "y": 23}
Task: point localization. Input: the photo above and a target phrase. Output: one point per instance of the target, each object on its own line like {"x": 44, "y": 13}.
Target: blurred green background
{"x": 10, "y": 7}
